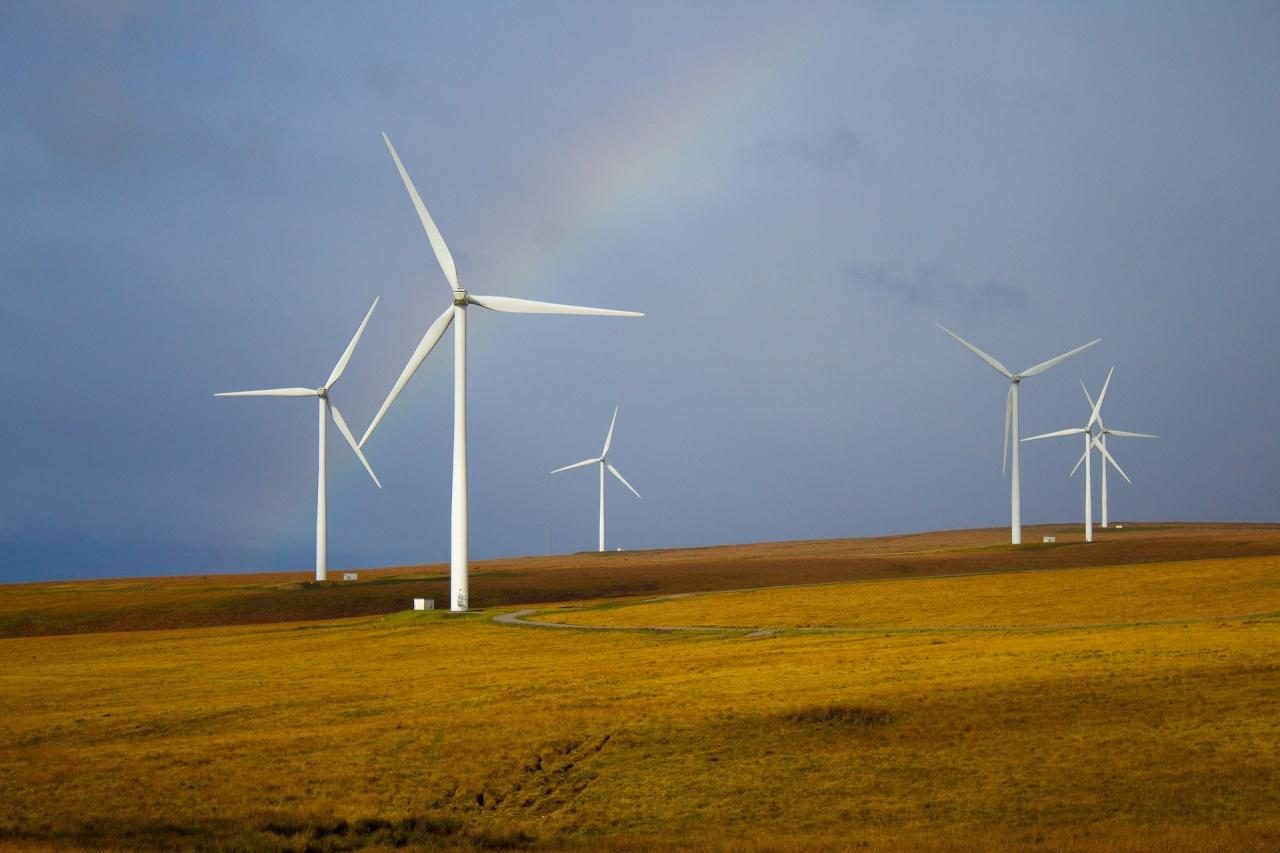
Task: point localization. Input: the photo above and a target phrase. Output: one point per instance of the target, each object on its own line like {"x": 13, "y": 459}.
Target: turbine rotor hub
{"x": 459, "y": 297}
{"x": 322, "y": 393}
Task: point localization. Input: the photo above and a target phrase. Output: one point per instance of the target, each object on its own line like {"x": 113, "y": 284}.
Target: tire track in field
{"x": 519, "y": 618}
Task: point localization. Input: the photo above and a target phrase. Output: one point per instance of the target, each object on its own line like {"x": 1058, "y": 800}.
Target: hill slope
{"x": 210, "y": 600}
{"x": 915, "y": 724}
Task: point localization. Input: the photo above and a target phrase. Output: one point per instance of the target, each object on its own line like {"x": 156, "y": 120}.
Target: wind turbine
{"x": 1011, "y": 421}
{"x": 457, "y": 313}
{"x": 603, "y": 461}
{"x": 1089, "y": 442}
{"x": 1100, "y": 441}
{"x": 327, "y": 410}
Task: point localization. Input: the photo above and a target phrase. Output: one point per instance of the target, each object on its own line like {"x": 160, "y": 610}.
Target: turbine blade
{"x": 341, "y": 424}
{"x": 614, "y": 472}
{"x": 1114, "y": 464}
{"x": 528, "y": 306}
{"x": 429, "y": 340}
{"x": 1122, "y": 434}
{"x": 1000, "y": 368}
{"x": 272, "y": 392}
{"x": 351, "y": 347}
{"x": 1072, "y": 431}
{"x": 1008, "y": 421}
{"x": 1089, "y": 397}
{"x": 576, "y": 465}
{"x": 433, "y": 233}
{"x": 1045, "y": 365}
{"x": 1079, "y": 462}
{"x": 608, "y": 439}
{"x": 1097, "y": 407}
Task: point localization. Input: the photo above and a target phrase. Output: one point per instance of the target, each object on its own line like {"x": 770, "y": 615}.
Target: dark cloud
{"x": 385, "y": 79}
{"x": 129, "y": 91}
{"x": 821, "y": 152}
{"x": 104, "y": 127}
{"x": 935, "y": 287}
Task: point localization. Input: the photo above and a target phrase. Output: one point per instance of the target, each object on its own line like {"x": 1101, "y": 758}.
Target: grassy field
{"x": 1134, "y": 705}
{"x": 243, "y": 599}
{"x": 1104, "y": 596}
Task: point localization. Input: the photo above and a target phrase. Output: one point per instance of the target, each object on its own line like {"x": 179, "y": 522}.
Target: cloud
{"x": 935, "y": 286}
{"x": 1030, "y": 96}
{"x": 120, "y": 91}
{"x": 825, "y": 153}
{"x": 104, "y": 126}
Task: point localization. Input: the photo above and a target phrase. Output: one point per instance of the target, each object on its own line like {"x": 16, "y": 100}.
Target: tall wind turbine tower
{"x": 1090, "y": 441}
{"x": 327, "y": 410}
{"x": 457, "y": 313}
{"x": 1011, "y": 421}
{"x": 603, "y": 461}
{"x": 1101, "y": 443}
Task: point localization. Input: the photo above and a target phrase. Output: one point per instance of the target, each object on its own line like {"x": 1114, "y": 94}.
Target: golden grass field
{"x": 1099, "y": 596}
{"x": 1131, "y": 703}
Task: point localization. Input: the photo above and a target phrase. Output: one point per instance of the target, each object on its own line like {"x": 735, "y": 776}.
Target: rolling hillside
{"x": 906, "y": 703}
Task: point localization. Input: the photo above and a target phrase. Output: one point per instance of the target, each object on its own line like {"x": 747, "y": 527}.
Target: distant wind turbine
{"x": 1089, "y": 442}
{"x": 603, "y": 461}
{"x": 457, "y": 312}
{"x": 1011, "y": 421}
{"x": 327, "y": 410}
{"x": 1100, "y": 440}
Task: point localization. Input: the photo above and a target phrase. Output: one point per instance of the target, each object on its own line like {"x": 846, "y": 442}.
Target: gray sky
{"x": 196, "y": 198}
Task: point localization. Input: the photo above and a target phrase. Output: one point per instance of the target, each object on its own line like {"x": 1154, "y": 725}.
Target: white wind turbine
{"x": 1089, "y": 442}
{"x": 603, "y": 461}
{"x": 1100, "y": 441}
{"x": 1011, "y": 421}
{"x": 457, "y": 313}
{"x": 327, "y": 410}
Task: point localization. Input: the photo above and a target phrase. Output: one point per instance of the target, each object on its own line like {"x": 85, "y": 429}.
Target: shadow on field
{"x": 854, "y": 716}
{"x": 276, "y": 834}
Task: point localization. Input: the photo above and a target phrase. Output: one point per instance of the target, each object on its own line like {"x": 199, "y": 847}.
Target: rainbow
{"x": 667, "y": 147}
{"x": 629, "y": 169}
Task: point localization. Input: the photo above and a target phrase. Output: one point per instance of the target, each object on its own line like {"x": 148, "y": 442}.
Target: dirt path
{"x": 518, "y": 619}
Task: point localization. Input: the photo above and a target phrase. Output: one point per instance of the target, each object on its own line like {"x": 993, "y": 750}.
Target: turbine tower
{"x": 1089, "y": 442}
{"x": 1101, "y": 440}
{"x": 457, "y": 313}
{"x": 1011, "y": 422}
{"x": 603, "y": 461}
{"x": 327, "y": 411}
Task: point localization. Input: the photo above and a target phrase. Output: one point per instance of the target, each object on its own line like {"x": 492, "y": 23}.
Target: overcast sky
{"x": 196, "y": 198}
